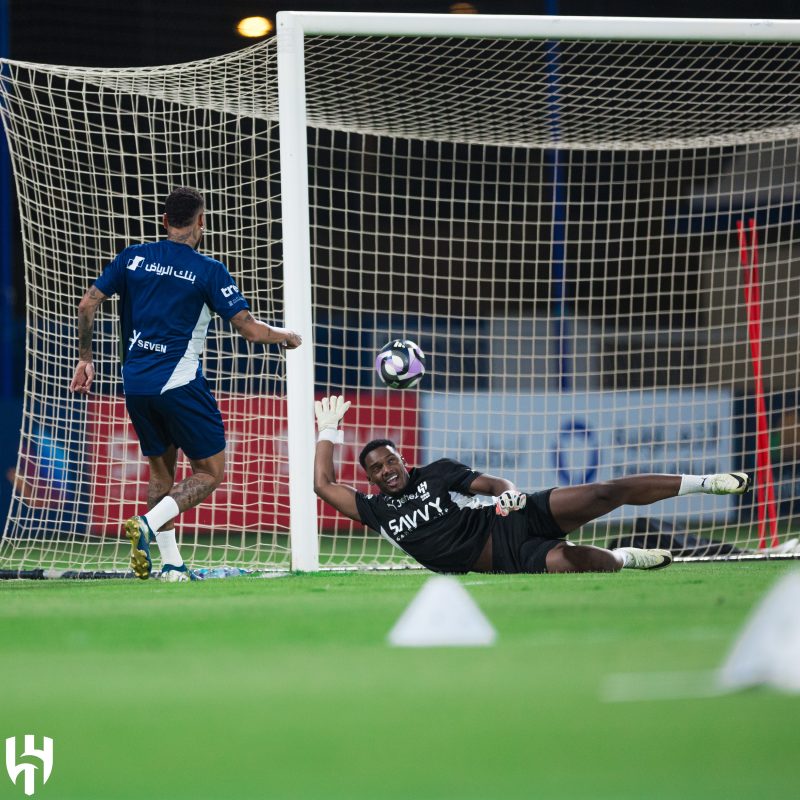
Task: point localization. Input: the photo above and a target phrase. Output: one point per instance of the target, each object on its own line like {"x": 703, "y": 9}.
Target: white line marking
{"x": 627, "y": 687}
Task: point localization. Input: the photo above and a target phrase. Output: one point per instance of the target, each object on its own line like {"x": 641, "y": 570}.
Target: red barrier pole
{"x": 765, "y": 489}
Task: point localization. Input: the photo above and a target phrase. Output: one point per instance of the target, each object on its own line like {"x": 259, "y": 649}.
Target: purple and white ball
{"x": 400, "y": 364}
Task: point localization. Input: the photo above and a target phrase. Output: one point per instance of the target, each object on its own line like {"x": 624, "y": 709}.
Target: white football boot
{"x": 727, "y": 483}
{"x": 645, "y": 559}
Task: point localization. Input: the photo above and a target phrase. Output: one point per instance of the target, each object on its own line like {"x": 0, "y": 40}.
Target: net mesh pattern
{"x": 95, "y": 153}
{"x": 553, "y": 222}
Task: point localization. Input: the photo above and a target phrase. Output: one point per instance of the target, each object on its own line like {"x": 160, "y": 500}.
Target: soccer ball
{"x": 400, "y": 364}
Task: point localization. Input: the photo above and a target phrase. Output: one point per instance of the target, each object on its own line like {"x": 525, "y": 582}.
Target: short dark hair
{"x": 182, "y": 206}
{"x": 373, "y": 445}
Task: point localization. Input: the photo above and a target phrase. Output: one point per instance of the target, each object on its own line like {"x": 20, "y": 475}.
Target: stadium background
{"x": 95, "y": 33}
{"x": 285, "y": 688}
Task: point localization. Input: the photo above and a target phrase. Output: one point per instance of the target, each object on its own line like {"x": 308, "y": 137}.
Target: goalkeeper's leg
{"x": 582, "y": 558}
{"x": 565, "y": 557}
{"x": 574, "y": 506}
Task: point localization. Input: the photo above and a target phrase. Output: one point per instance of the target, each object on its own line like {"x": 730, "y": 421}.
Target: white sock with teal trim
{"x": 168, "y": 548}
{"x": 691, "y": 484}
{"x": 161, "y": 513}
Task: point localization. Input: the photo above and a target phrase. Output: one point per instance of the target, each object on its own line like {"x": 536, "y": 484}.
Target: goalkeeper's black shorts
{"x": 522, "y": 540}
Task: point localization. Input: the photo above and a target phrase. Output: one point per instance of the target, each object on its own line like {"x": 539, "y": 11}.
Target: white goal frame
{"x": 582, "y": 221}
{"x": 292, "y": 27}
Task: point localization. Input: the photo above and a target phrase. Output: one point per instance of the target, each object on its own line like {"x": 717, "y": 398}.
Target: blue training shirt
{"x": 167, "y": 293}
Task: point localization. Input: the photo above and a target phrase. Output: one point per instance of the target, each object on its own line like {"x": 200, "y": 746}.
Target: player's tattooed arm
{"x": 84, "y": 371}
{"x": 254, "y": 330}
{"x": 86, "y": 311}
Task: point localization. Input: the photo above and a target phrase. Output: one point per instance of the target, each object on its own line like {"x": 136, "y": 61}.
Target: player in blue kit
{"x": 168, "y": 293}
{"x": 451, "y": 518}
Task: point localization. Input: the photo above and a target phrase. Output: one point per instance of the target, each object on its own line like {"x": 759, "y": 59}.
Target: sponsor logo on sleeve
{"x": 232, "y": 293}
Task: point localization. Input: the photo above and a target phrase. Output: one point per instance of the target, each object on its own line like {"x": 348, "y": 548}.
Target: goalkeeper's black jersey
{"x": 436, "y": 520}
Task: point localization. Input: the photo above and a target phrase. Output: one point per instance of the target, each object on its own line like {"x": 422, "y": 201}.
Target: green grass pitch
{"x": 286, "y": 688}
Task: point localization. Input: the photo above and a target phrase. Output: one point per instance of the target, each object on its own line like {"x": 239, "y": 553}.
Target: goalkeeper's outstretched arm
{"x": 329, "y": 412}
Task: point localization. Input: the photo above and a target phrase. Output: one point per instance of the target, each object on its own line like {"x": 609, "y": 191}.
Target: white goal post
{"x": 547, "y": 205}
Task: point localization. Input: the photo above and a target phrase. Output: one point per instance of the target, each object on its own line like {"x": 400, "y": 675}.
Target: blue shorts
{"x": 186, "y": 417}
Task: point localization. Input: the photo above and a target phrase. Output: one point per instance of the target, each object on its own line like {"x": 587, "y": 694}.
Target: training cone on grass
{"x": 767, "y": 651}
{"x": 442, "y": 615}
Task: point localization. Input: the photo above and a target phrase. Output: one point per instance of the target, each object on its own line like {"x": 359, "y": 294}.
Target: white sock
{"x": 624, "y": 555}
{"x": 161, "y": 513}
{"x": 168, "y": 548}
{"x": 691, "y": 484}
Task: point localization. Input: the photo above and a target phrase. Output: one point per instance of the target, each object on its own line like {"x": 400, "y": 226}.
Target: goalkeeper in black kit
{"x": 451, "y": 518}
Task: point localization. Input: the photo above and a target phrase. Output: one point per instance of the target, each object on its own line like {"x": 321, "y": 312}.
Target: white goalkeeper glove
{"x": 510, "y": 500}
{"x": 330, "y": 411}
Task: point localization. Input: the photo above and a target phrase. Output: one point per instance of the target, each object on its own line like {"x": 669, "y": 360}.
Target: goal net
{"x": 548, "y": 207}
{"x": 95, "y": 152}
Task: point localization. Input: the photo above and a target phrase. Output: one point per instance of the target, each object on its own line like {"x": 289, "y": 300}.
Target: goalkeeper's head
{"x": 384, "y": 465}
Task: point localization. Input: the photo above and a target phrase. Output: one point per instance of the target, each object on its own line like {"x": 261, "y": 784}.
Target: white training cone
{"x": 442, "y": 614}
{"x": 768, "y": 649}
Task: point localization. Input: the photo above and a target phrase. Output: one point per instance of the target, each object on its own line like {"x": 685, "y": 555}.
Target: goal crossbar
{"x": 497, "y": 26}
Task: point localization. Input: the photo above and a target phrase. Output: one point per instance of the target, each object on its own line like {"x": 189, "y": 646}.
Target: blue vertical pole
{"x": 6, "y": 239}
{"x": 557, "y": 175}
